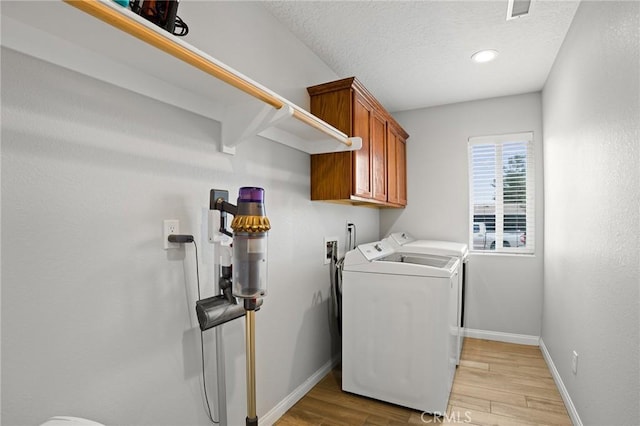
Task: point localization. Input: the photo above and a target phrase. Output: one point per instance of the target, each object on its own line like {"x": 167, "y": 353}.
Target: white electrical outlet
{"x": 350, "y": 235}
{"x": 327, "y": 248}
{"x": 574, "y": 362}
{"x": 171, "y": 226}
{"x": 348, "y": 223}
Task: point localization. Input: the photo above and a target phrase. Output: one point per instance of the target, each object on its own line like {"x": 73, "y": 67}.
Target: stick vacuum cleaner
{"x": 249, "y": 277}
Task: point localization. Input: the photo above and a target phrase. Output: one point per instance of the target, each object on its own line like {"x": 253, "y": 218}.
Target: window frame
{"x": 499, "y": 141}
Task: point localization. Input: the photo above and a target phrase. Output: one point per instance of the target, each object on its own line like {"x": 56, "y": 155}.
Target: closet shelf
{"x": 124, "y": 49}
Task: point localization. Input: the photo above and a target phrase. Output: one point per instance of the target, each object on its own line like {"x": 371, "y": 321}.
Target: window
{"x": 501, "y": 193}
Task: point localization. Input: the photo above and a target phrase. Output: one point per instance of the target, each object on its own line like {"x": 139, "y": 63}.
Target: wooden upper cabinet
{"x": 374, "y": 175}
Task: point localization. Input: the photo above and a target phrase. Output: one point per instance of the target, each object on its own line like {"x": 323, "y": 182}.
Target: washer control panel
{"x": 402, "y": 238}
{"x": 375, "y": 250}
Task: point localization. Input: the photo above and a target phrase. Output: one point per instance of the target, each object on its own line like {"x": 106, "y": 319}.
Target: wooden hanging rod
{"x": 313, "y": 121}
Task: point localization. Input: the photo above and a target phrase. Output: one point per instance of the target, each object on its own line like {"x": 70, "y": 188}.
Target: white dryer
{"x": 399, "y": 326}
{"x": 405, "y": 243}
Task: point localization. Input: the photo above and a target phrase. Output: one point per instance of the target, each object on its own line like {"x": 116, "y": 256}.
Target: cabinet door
{"x": 362, "y": 158}
{"x": 379, "y": 156}
{"x": 392, "y": 167}
{"x": 401, "y": 161}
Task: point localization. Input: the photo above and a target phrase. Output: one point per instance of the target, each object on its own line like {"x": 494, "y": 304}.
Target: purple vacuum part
{"x": 251, "y": 194}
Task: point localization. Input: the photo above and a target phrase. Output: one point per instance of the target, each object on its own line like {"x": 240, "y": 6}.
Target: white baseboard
{"x": 521, "y": 339}
{"x": 289, "y": 401}
{"x": 573, "y": 413}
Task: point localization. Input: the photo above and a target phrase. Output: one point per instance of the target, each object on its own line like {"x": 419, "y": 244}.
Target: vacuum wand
{"x": 250, "y": 337}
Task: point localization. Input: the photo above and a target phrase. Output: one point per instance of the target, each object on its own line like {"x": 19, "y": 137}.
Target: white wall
{"x": 592, "y": 212}
{"x": 504, "y": 291}
{"x": 98, "y": 320}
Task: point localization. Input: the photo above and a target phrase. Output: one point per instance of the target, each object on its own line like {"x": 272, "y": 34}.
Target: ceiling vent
{"x": 518, "y": 9}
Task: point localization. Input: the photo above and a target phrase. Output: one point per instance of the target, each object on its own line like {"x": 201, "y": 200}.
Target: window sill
{"x": 500, "y": 253}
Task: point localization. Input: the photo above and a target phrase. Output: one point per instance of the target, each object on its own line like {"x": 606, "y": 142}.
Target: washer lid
{"x": 69, "y": 421}
{"x": 419, "y": 259}
{"x": 403, "y": 242}
{"x": 446, "y": 248}
{"x": 404, "y": 264}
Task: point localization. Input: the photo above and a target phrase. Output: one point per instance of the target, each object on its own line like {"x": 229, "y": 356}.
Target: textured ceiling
{"x": 414, "y": 54}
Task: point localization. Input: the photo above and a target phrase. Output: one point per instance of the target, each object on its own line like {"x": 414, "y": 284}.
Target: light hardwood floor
{"x": 496, "y": 384}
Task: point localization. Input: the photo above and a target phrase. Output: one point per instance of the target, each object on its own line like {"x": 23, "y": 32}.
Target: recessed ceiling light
{"x": 484, "y": 56}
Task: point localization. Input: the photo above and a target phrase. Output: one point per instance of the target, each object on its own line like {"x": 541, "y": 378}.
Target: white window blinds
{"x": 502, "y": 193}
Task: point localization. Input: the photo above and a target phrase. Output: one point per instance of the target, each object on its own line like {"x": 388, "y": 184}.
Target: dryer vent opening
{"x": 518, "y": 9}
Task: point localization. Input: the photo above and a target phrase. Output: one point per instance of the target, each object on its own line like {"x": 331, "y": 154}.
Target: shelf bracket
{"x": 247, "y": 120}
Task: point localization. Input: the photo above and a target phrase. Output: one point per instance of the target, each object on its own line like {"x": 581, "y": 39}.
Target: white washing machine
{"x": 406, "y": 243}
{"x": 398, "y": 313}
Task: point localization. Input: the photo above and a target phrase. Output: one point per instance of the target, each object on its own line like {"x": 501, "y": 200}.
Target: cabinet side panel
{"x": 334, "y": 108}
{"x": 331, "y": 176}
{"x": 331, "y": 173}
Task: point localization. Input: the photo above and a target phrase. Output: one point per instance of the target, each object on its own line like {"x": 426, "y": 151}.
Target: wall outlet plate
{"x": 170, "y": 226}
{"x": 328, "y": 241}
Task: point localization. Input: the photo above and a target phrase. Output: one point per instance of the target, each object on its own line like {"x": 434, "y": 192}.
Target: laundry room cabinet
{"x": 374, "y": 175}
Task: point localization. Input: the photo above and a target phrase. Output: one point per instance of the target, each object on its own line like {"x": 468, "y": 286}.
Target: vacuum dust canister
{"x": 250, "y": 229}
